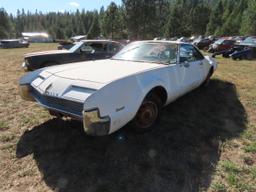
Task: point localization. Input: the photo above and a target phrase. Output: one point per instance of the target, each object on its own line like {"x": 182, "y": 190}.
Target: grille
{"x": 63, "y": 105}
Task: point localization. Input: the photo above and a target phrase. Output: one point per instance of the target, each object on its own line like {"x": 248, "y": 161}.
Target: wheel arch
{"x": 160, "y": 92}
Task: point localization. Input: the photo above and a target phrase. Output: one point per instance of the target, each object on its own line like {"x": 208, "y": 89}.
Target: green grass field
{"x": 205, "y": 141}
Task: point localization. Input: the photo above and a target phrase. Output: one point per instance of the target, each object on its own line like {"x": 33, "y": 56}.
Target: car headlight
{"x": 94, "y": 124}
{"x": 25, "y": 92}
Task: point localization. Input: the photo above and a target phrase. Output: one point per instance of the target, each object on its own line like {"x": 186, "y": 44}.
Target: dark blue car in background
{"x": 245, "y": 50}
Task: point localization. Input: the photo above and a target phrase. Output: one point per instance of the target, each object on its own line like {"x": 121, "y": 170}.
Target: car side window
{"x": 98, "y": 47}
{"x": 86, "y": 48}
{"x": 188, "y": 53}
{"x": 113, "y": 48}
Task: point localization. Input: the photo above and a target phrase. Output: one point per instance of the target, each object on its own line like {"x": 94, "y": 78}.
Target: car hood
{"x": 78, "y": 81}
{"x": 101, "y": 71}
{"x": 53, "y": 52}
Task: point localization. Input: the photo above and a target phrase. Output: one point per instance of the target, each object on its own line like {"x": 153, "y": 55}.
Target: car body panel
{"x": 14, "y": 43}
{"x": 222, "y": 45}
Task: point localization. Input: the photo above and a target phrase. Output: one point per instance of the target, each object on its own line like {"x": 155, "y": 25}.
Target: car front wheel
{"x": 147, "y": 115}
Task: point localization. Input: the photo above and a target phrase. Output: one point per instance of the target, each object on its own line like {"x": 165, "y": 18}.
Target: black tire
{"x": 147, "y": 115}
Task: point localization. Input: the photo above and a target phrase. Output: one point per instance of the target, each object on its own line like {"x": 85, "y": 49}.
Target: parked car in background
{"x": 81, "y": 51}
{"x": 247, "y": 49}
{"x": 203, "y": 43}
{"x": 192, "y": 38}
{"x": 14, "y": 43}
{"x": 184, "y": 39}
{"x": 239, "y": 39}
{"x": 244, "y": 50}
{"x": 133, "y": 86}
{"x": 221, "y": 45}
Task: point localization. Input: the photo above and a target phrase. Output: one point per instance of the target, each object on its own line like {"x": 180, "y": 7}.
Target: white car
{"x": 131, "y": 87}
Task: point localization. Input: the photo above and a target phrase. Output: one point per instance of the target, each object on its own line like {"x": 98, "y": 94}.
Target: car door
{"x": 190, "y": 67}
{"x": 172, "y": 69}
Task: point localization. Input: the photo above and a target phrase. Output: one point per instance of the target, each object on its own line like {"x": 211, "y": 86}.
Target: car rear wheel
{"x": 147, "y": 115}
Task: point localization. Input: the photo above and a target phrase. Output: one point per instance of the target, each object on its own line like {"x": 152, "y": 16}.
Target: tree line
{"x": 139, "y": 19}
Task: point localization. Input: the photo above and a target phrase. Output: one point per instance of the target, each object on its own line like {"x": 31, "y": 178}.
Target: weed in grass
{"x": 248, "y": 160}
{"x": 219, "y": 187}
{"x": 232, "y": 179}
{"x": 3, "y": 125}
{"x": 245, "y": 187}
{"x": 250, "y": 148}
{"x": 29, "y": 172}
{"x": 230, "y": 167}
{"x": 32, "y": 119}
{"x": 253, "y": 172}
{"x": 6, "y": 138}
{"x": 250, "y": 133}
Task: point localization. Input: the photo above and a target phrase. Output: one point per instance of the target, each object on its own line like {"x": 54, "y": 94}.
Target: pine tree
{"x": 94, "y": 31}
{"x": 5, "y": 24}
{"x": 232, "y": 25}
{"x": 139, "y": 19}
{"x": 199, "y": 19}
{"x": 249, "y": 19}
{"x": 215, "y": 22}
{"x": 111, "y": 20}
{"x": 178, "y": 22}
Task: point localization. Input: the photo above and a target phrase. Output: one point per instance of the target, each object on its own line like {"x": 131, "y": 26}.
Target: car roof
{"x": 164, "y": 41}
{"x": 100, "y": 41}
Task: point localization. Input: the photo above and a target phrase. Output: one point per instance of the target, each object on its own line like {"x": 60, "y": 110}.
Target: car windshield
{"x": 250, "y": 40}
{"x": 163, "y": 53}
{"x": 75, "y": 47}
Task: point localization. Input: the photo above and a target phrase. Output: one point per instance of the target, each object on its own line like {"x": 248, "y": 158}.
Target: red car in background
{"x": 221, "y": 45}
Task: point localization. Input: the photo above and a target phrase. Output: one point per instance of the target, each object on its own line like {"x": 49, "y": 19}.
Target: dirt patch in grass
{"x": 203, "y": 142}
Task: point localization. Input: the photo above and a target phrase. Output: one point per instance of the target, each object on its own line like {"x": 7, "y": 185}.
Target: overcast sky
{"x": 11, "y": 6}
